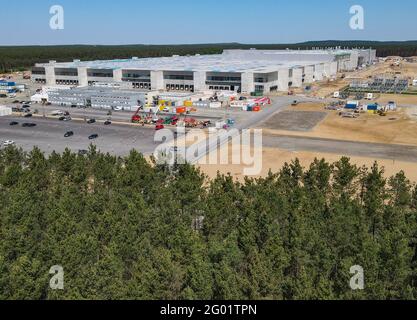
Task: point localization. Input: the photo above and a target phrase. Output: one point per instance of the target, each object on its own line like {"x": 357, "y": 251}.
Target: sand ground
{"x": 274, "y": 159}
{"x": 398, "y": 127}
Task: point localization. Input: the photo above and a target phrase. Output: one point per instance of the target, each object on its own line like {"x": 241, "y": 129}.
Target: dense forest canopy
{"x": 23, "y": 57}
{"x": 123, "y": 228}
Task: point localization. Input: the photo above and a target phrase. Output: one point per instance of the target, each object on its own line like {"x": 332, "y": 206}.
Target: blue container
{"x": 7, "y": 84}
{"x": 351, "y": 106}
{"x": 373, "y": 107}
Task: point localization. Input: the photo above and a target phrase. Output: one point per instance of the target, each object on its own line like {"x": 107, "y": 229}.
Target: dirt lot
{"x": 274, "y": 159}
{"x": 396, "y": 128}
{"x": 400, "y": 99}
{"x": 325, "y": 89}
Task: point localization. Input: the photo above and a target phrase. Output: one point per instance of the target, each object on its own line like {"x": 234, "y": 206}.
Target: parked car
{"x": 159, "y": 127}
{"x": 107, "y": 123}
{"x": 8, "y": 143}
{"x": 14, "y": 123}
{"x": 57, "y": 113}
{"x": 91, "y": 121}
{"x": 69, "y": 134}
{"x": 28, "y": 115}
{"x": 93, "y": 136}
{"x": 29, "y": 125}
{"x": 82, "y": 152}
{"x": 117, "y": 108}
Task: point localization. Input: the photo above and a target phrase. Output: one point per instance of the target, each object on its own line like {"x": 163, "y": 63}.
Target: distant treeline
{"x": 18, "y": 58}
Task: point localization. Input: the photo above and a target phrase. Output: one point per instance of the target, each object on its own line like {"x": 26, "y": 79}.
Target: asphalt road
{"x": 119, "y": 116}
{"x": 346, "y": 148}
{"x": 48, "y": 135}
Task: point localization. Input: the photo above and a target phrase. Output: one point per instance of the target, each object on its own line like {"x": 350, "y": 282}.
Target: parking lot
{"x": 48, "y": 135}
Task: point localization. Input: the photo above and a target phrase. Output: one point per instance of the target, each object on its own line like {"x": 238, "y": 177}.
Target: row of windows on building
{"x": 141, "y": 85}
{"x": 179, "y": 77}
{"x": 179, "y": 87}
{"x": 223, "y": 88}
{"x": 67, "y": 82}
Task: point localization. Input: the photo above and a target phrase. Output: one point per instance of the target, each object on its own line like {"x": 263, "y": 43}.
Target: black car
{"x": 61, "y": 118}
{"x": 27, "y": 115}
{"x": 29, "y": 125}
{"x": 93, "y": 136}
{"x": 91, "y": 121}
{"x": 107, "y": 123}
{"x": 14, "y": 123}
{"x": 82, "y": 152}
{"x": 69, "y": 134}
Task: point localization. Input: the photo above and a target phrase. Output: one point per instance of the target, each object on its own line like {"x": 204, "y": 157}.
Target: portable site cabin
{"x": 353, "y": 105}
{"x": 391, "y": 106}
{"x": 373, "y": 108}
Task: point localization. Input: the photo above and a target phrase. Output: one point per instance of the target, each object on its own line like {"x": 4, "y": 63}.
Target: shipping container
{"x": 373, "y": 107}
{"x": 202, "y": 104}
{"x": 352, "y": 105}
{"x": 5, "y": 111}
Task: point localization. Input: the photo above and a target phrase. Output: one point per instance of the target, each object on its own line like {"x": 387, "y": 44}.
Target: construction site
{"x": 366, "y": 108}
{"x": 365, "y": 125}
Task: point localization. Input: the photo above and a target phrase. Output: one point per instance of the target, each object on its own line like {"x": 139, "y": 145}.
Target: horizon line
{"x": 202, "y": 43}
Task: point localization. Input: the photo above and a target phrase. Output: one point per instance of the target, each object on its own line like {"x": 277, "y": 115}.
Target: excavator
{"x": 382, "y": 113}
{"x": 136, "y": 118}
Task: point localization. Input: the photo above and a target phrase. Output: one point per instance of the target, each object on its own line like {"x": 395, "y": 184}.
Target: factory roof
{"x": 261, "y": 61}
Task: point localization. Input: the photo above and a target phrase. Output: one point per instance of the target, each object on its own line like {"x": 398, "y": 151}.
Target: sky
{"x": 27, "y": 22}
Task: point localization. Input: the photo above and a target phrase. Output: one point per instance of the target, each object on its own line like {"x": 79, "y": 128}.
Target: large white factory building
{"x": 243, "y": 71}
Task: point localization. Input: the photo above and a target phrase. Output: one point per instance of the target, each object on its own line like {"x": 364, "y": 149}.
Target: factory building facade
{"x": 242, "y": 71}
